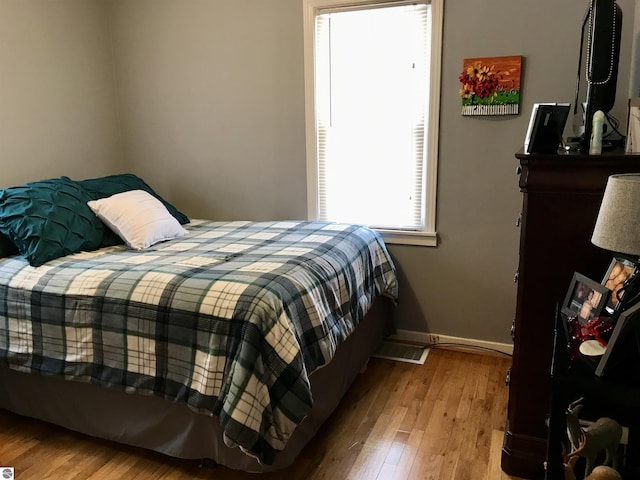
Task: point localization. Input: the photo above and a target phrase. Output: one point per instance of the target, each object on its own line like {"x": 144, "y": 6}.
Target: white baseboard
{"x": 456, "y": 342}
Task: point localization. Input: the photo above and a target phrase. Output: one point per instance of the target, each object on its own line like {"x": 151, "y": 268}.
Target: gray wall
{"x": 210, "y": 102}
{"x": 58, "y": 112}
{"x": 212, "y": 97}
{"x": 634, "y": 84}
{"x": 465, "y": 286}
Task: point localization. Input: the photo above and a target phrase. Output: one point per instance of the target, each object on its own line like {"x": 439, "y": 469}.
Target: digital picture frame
{"x": 546, "y": 126}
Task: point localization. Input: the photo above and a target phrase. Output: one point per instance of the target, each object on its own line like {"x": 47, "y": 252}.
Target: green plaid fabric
{"x": 230, "y": 319}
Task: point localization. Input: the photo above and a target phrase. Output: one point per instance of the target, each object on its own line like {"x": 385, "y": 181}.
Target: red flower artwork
{"x": 480, "y": 81}
{"x": 490, "y": 86}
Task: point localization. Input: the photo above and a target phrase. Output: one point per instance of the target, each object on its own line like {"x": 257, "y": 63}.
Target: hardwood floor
{"x": 442, "y": 420}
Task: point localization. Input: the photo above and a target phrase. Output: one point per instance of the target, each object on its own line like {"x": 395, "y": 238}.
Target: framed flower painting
{"x": 491, "y": 85}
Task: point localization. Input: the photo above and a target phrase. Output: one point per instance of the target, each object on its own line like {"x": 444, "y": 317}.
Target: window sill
{"x": 399, "y": 237}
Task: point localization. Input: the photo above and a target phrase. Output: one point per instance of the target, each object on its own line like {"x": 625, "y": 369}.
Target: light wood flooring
{"x": 442, "y": 420}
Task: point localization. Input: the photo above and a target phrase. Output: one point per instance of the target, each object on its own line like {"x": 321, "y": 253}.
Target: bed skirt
{"x": 173, "y": 429}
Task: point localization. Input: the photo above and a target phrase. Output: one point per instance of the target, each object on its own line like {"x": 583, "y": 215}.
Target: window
{"x": 372, "y": 74}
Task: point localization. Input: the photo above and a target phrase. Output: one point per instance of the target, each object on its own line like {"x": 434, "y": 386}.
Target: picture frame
{"x": 633, "y": 126}
{"x": 623, "y": 343}
{"x": 546, "y": 126}
{"x": 491, "y": 85}
{"x": 619, "y": 270}
{"x": 585, "y": 298}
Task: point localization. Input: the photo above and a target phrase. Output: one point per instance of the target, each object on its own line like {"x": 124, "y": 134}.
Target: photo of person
{"x": 619, "y": 271}
{"x": 585, "y": 299}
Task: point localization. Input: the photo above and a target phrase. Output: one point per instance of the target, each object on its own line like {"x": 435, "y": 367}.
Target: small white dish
{"x": 592, "y": 348}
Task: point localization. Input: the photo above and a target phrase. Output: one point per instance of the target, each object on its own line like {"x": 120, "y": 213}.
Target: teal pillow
{"x": 49, "y": 219}
{"x": 103, "y": 187}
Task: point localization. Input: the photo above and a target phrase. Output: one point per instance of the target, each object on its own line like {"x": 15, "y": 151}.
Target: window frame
{"x": 427, "y": 236}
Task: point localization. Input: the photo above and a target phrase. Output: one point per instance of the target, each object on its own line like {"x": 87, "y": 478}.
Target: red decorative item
{"x": 575, "y": 337}
{"x": 599, "y": 329}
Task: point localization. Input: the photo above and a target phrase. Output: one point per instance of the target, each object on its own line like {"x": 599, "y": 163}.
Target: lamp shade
{"x": 618, "y": 224}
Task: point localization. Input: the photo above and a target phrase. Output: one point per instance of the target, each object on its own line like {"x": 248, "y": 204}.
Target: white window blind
{"x": 371, "y": 68}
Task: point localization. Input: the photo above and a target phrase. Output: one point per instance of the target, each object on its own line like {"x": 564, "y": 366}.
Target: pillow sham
{"x": 49, "y": 219}
{"x": 139, "y": 218}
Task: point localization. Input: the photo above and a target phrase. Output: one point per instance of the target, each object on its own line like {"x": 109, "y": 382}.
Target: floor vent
{"x": 402, "y": 352}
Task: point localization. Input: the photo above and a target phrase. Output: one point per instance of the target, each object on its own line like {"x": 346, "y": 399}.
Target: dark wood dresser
{"x": 561, "y": 199}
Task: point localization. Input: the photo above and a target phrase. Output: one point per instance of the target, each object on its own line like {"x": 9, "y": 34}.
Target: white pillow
{"x": 139, "y": 218}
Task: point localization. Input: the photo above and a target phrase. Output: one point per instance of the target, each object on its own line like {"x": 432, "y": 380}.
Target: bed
{"x": 230, "y": 341}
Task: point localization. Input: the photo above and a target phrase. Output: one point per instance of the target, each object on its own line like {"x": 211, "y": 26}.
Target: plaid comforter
{"x": 230, "y": 319}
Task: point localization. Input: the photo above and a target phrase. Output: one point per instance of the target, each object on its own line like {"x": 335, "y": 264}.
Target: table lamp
{"x": 618, "y": 229}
